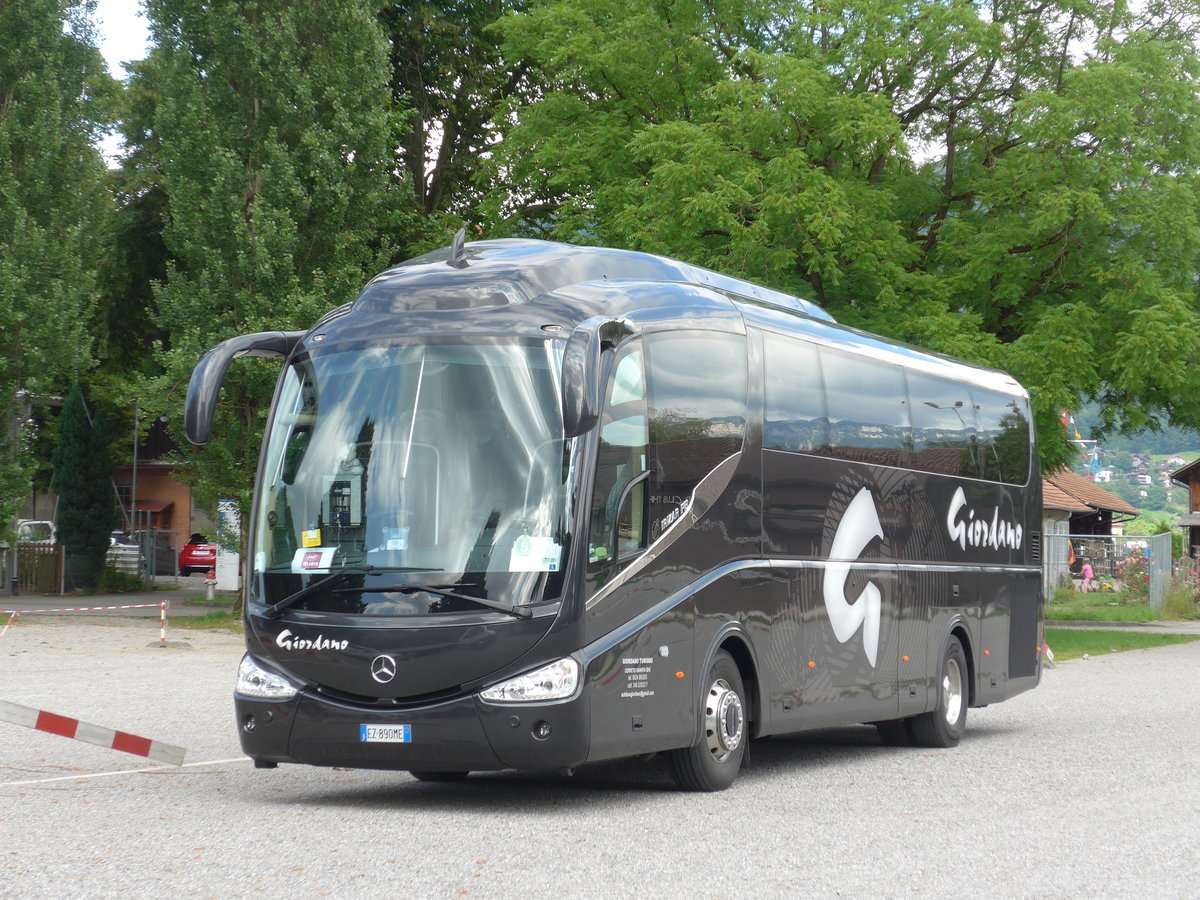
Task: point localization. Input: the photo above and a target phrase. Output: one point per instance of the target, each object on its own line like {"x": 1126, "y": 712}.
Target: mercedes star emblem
{"x": 383, "y": 669}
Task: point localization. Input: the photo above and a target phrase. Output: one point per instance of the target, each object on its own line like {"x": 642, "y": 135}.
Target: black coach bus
{"x": 528, "y": 505}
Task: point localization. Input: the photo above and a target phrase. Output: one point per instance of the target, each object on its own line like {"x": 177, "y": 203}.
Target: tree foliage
{"x": 447, "y": 71}
{"x": 270, "y": 132}
{"x": 83, "y": 481}
{"x": 55, "y": 99}
{"x": 1014, "y": 183}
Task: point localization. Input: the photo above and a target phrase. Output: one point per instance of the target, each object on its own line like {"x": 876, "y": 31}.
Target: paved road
{"x": 1084, "y": 787}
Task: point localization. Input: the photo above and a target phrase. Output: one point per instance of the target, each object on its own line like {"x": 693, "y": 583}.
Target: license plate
{"x": 385, "y": 734}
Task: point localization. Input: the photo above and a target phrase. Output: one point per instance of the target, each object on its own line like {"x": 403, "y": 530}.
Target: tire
{"x": 944, "y": 725}
{"x": 713, "y": 762}
{"x": 895, "y": 733}
{"x": 184, "y": 571}
{"x": 438, "y": 776}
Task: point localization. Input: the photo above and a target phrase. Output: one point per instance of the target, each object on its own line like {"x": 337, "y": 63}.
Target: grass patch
{"x": 217, "y": 620}
{"x": 1181, "y": 603}
{"x": 1074, "y": 643}
{"x": 218, "y": 600}
{"x": 1069, "y": 606}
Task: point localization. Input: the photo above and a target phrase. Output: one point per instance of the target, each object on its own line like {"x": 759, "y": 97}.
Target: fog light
{"x": 248, "y": 724}
{"x": 541, "y": 731}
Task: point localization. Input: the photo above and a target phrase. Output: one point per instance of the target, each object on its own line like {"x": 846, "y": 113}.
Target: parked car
{"x": 35, "y": 531}
{"x": 198, "y": 555}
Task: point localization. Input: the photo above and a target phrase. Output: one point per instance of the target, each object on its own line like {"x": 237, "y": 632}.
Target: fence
{"x": 1118, "y": 561}
{"x": 151, "y": 555}
{"x": 39, "y": 568}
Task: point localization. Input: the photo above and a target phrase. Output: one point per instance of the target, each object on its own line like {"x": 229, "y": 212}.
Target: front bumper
{"x": 461, "y": 735}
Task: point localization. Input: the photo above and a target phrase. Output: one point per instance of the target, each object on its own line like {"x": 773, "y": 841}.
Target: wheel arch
{"x": 734, "y": 640}
{"x": 959, "y": 630}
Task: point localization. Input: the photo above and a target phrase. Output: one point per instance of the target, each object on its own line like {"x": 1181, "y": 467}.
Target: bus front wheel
{"x": 943, "y": 726}
{"x": 712, "y": 763}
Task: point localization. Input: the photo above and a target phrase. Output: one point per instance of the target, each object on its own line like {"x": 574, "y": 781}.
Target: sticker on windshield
{"x": 313, "y": 561}
{"x": 535, "y": 554}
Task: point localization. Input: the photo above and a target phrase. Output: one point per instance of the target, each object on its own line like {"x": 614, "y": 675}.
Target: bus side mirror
{"x": 581, "y": 386}
{"x": 581, "y": 379}
{"x": 205, "y": 385}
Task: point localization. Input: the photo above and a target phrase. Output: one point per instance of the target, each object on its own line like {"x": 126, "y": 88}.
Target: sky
{"x": 123, "y": 34}
{"x": 123, "y": 37}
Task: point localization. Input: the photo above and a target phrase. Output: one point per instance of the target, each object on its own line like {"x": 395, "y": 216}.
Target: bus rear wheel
{"x": 944, "y": 725}
{"x": 712, "y": 763}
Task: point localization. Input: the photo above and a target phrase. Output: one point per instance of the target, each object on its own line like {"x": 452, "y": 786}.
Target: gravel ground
{"x": 1085, "y": 786}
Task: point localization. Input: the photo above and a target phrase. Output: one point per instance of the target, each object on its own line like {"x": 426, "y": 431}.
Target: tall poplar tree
{"x": 272, "y": 139}
{"x": 1015, "y": 183}
{"x": 55, "y": 100}
{"x": 83, "y": 481}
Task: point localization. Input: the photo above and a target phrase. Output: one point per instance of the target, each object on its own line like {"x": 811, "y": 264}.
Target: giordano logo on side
{"x": 860, "y": 525}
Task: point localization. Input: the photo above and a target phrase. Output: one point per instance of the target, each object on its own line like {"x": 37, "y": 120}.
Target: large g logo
{"x": 859, "y": 526}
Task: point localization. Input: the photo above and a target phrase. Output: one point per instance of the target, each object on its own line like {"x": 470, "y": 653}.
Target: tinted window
{"x": 830, "y": 403}
{"x": 697, "y": 403}
{"x": 868, "y": 408}
{"x": 1004, "y": 427}
{"x": 795, "y": 397}
{"x": 944, "y": 434}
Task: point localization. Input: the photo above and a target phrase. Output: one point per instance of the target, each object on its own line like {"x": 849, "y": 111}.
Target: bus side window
{"x": 619, "y": 510}
{"x": 795, "y": 417}
{"x": 697, "y": 410}
{"x": 1004, "y": 423}
{"x": 945, "y": 434}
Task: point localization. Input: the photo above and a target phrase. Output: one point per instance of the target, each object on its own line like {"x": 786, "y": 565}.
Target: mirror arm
{"x": 205, "y": 385}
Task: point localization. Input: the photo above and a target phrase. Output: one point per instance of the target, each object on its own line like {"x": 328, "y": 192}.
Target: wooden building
{"x": 1188, "y": 476}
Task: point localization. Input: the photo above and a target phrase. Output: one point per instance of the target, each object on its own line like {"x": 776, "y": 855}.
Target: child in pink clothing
{"x": 1089, "y": 576}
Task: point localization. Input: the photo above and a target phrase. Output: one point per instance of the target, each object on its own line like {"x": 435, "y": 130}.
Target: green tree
{"x": 55, "y": 100}
{"x": 450, "y": 76}
{"x": 83, "y": 481}
{"x": 270, "y": 132}
{"x": 1013, "y": 183}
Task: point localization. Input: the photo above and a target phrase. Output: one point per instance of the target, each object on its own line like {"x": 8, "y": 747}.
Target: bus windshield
{"x": 430, "y": 474}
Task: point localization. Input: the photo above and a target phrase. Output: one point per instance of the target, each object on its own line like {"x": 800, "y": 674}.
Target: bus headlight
{"x": 555, "y": 681}
{"x": 255, "y": 681}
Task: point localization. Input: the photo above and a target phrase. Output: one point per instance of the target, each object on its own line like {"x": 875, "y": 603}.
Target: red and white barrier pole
{"x": 162, "y": 605}
{"x": 64, "y": 726}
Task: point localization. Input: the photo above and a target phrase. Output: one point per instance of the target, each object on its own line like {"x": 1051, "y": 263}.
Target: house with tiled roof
{"x": 1074, "y": 505}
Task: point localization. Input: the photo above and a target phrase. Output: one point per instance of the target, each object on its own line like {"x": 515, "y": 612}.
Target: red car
{"x": 197, "y": 555}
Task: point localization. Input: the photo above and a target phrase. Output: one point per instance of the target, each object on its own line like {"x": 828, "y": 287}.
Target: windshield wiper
{"x": 521, "y": 612}
{"x": 340, "y": 575}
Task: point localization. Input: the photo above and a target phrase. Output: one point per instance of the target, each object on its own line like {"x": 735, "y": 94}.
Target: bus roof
{"x": 501, "y": 272}
{"x": 528, "y": 282}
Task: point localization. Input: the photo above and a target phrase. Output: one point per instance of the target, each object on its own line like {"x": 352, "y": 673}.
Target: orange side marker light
{"x": 678, "y": 674}
{"x": 812, "y": 665}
